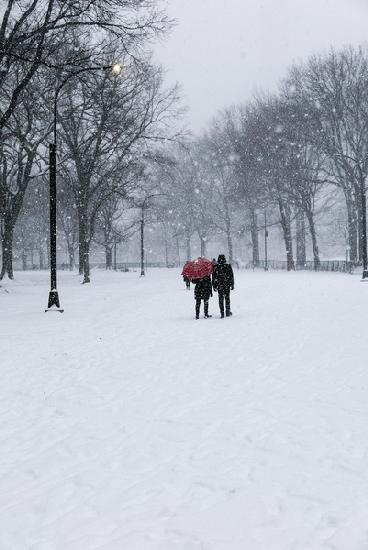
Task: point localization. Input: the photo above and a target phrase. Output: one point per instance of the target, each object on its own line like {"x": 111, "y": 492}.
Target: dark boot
{"x": 206, "y": 310}
{"x": 197, "y": 308}
{"x": 227, "y": 304}
{"x": 221, "y": 304}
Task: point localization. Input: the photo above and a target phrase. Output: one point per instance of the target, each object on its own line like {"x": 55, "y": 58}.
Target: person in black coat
{"x": 186, "y": 281}
{"x": 202, "y": 291}
{"x": 223, "y": 282}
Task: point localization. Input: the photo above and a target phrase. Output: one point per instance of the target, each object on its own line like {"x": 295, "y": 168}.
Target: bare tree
{"x": 24, "y": 133}
{"x": 33, "y": 31}
{"x": 219, "y": 156}
{"x": 333, "y": 93}
{"x": 105, "y": 123}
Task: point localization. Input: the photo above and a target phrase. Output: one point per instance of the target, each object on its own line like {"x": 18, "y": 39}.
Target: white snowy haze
{"x": 221, "y": 51}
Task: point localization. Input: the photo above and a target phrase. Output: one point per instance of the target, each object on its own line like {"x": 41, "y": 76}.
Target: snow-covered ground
{"x": 128, "y": 425}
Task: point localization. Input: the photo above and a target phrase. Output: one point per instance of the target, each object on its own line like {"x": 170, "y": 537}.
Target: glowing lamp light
{"x": 116, "y": 69}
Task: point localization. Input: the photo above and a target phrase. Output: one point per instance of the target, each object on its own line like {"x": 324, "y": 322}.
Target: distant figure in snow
{"x": 223, "y": 282}
{"x": 214, "y": 262}
{"x": 202, "y": 291}
{"x": 186, "y": 281}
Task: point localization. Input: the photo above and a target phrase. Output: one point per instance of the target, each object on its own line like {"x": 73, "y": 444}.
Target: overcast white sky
{"x": 221, "y": 51}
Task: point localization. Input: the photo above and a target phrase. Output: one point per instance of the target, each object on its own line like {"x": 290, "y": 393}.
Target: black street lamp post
{"x": 144, "y": 205}
{"x": 53, "y": 301}
{"x": 53, "y": 294}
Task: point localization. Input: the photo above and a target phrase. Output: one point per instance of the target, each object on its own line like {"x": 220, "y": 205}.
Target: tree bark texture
{"x": 312, "y": 230}
{"x": 352, "y": 219}
{"x": 7, "y": 251}
{"x": 254, "y": 237}
{"x": 188, "y": 248}
{"x": 86, "y": 266}
{"x": 108, "y": 256}
{"x": 203, "y": 247}
{"x": 286, "y": 230}
{"x": 301, "y": 255}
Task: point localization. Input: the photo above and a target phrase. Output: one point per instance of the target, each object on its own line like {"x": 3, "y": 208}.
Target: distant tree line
{"x": 287, "y": 155}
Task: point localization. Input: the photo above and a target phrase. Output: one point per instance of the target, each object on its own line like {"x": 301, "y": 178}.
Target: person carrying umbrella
{"x": 202, "y": 291}
{"x": 186, "y": 281}
{"x": 199, "y": 272}
{"x": 223, "y": 282}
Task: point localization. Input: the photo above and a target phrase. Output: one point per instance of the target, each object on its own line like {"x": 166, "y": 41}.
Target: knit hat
{"x": 221, "y": 259}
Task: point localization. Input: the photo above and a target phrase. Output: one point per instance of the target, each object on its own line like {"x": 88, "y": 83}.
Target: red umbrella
{"x": 197, "y": 269}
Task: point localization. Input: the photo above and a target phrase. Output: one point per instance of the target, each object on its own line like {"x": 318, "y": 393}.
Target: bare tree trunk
{"x": 254, "y": 237}
{"x": 360, "y": 229}
{"x": 41, "y": 255}
{"x": 166, "y": 252}
{"x": 115, "y": 253}
{"x": 312, "y": 230}
{"x": 286, "y": 229}
{"x": 81, "y": 243}
{"x": 230, "y": 247}
{"x": 108, "y": 256}
{"x": 71, "y": 255}
{"x": 352, "y": 228}
{"x": 300, "y": 239}
{"x": 7, "y": 252}
{"x": 177, "y": 249}
{"x": 203, "y": 247}
{"x": 188, "y": 247}
{"x": 86, "y": 267}
{"x": 48, "y": 249}
{"x": 24, "y": 260}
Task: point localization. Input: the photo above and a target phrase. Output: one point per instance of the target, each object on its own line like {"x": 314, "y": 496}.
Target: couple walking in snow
{"x": 222, "y": 282}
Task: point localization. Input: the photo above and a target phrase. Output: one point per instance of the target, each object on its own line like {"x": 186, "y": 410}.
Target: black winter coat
{"x": 203, "y": 289}
{"x": 223, "y": 278}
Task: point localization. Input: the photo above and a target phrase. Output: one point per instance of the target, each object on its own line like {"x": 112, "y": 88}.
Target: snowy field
{"x": 128, "y": 425}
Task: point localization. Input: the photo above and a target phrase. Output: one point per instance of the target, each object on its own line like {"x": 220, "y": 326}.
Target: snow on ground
{"x": 128, "y": 425}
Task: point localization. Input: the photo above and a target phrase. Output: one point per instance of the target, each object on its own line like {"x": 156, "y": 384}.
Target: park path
{"x": 126, "y": 424}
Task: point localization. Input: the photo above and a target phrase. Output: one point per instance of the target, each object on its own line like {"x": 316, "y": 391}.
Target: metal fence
{"x": 341, "y": 266}
{"x": 120, "y": 266}
{"x": 126, "y": 266}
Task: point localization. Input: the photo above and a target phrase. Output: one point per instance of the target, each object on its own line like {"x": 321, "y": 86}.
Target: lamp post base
{"x": 53, "y": 301}
{"x": 365, "y": 275}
